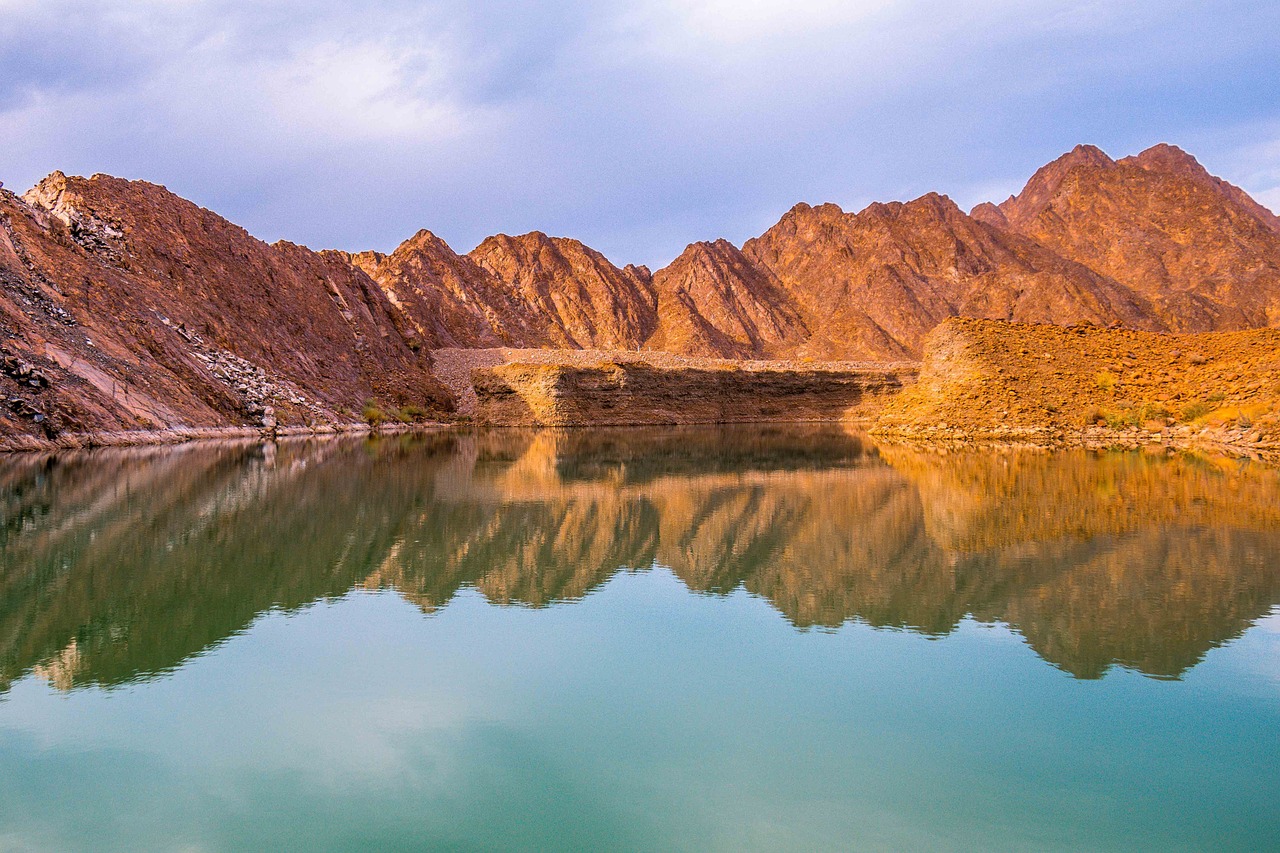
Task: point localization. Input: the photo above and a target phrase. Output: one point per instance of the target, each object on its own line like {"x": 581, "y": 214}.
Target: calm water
{"x": 700, "y": 640}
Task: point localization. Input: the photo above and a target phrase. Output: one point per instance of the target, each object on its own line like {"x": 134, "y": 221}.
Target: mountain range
{"x": 124, "y": 306}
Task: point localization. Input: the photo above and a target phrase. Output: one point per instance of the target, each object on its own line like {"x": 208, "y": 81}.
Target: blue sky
{"x": 637, "y": 127}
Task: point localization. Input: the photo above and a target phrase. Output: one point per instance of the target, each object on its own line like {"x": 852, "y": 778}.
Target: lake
{"x": 757, "y": 638}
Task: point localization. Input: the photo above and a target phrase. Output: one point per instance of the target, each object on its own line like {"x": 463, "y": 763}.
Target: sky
{"x": 637, "y": 127}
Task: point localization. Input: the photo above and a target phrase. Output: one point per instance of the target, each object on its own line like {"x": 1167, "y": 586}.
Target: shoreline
{"x": 1235, "y": 443}
{"x": 1238, "y": 443}
{"x": 186, "y": 435}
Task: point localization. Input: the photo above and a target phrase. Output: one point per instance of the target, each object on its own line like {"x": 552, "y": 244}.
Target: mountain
{"x": 125, "y": 307}
{"x": 449, "y": 299}
{"x": 873, "y": 284}
{"x": 1200, "y": 250}
{"x": 712, "y": 301}
{"x": 586, "y": 301}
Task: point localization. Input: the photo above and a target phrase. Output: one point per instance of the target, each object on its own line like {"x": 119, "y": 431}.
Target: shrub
{"x": 1196, "y": 410}
{"x": 1152, "y": 412}
{"x": 1106, "y": 380}
{"x": 373, "y": 415}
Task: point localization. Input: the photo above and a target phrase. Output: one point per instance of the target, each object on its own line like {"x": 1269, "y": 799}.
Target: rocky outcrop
{"x": 142, "y": 311}
{"x": 634, "y": 393}
{"x": 1151, "y": 242}
{"x": 449, "y": 300}
{"x": 873, "y": 284}
{"x": 133, "y": 310}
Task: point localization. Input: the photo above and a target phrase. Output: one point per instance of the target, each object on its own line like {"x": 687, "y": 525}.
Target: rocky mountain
{"x": 873, "y": 284}
{"x": 585, "y": 301}
{"x": 124, "y": 307}
{"x": 713, "y": 301}
{"x": 1152, "y": 242}
{"x": 449, "y": 299}
{"x": 1204, "y": 253}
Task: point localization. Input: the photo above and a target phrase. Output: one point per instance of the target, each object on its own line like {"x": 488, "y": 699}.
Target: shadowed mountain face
{"x": 120, "y": 565}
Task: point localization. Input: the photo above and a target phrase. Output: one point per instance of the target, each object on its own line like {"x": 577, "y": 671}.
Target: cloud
{"x": 636, "y": 125}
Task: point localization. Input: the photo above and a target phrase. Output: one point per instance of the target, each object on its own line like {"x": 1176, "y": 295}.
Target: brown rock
{"x": 713, "y": 301}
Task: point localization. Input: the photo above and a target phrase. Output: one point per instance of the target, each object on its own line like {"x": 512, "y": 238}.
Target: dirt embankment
{"x": 639, "y": 392}
{"x": 453, "y": 367}
{"x": 989, "y": 380}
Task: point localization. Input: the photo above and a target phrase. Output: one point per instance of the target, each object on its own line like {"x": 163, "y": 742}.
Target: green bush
{"x": 373, "y": 415}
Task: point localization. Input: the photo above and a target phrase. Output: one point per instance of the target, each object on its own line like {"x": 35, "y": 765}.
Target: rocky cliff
{"x": 1204, "y": 254}
{"x": 586, "y": 302}
{"x": 1151, "y": 242}
{"x": 124, "y": 307}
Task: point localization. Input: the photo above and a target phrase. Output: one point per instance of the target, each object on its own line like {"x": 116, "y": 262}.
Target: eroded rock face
{"x": 140, "y": 310}
{"x": 449, "y": 299}
{"x": 144, "y": 311}
{"x": 636, "y": 393}
{"x": 1151, "y": 242}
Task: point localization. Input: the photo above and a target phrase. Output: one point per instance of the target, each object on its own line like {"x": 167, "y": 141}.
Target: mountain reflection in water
{"x": 118, "y": 565}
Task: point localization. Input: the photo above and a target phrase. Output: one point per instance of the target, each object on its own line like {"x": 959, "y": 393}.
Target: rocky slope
{"x": 872, "y": 284}
{"x": 450, "y": 300}
{"x": 586, "y": 302}
{"x": 124, "y": 307}
{"x": 982, "y": 379}
{"x": 712, "y": 301}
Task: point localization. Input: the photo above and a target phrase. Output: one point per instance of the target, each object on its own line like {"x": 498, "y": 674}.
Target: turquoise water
{"x": 637, "y": 640}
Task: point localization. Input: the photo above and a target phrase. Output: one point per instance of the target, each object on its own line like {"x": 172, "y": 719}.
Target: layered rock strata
{"x": 637, "y": 393}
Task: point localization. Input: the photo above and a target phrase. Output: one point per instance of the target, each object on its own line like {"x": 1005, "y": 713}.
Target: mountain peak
{"x": 1044, "y": 184}
{"x": 1168, "y": 158}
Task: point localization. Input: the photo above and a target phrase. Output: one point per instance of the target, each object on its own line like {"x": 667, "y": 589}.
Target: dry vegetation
{"x": 990, "y": 379}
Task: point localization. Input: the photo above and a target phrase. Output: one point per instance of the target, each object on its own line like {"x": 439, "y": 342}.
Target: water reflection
{"x": 118, "y": 565}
